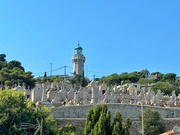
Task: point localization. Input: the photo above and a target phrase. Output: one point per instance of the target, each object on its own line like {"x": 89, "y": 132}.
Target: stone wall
{"x": 133, "y": 111}
{"x": 79, "y": 123}
{"x": 76, "y": 115}
{"x": 169, "y": 123}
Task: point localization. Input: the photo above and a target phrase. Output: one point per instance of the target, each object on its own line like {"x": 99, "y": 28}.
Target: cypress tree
{"x": 126, "y": 126}
{"x": 108, "y": 123}
{"x": 45, "y": 74}
{"x": 98, "y": 122}
{"x": 116, "y": 129}
{"x": 91, "y": 119}
{"x": 88, "y": 124}
{"x": 95, "y": 131}
{"x": 101, "y": 125}
{"x": 98, "y": 118}
{"x": 117, "y": 125}
{"x": 96, "y": 114}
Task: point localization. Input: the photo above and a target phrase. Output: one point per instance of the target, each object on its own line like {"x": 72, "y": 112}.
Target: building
{"x": 152, "y": 77}
{"x": 178, "y": 78}
{"x": 78, "y": 61}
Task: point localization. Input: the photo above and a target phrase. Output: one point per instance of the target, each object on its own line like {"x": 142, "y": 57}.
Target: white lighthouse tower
{"x": 78, "y": 61}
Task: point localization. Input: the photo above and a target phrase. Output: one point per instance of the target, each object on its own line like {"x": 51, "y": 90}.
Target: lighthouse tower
{"x": 78, "y": 61}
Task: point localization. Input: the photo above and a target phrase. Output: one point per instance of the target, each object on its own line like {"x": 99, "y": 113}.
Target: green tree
{"x": 14, "y": 63}
{"x": 144, "y": 73}
{"x": 83, "y": 81}
{"x": 169, "y": 77}
{"x": 124, "y": 76}
{"x": 100, "y": 125}
{"x": 3, "y": 57}
{"x": 79, "y": 80}
{"x": 12, "y": 72}
{"x": 133, "y": 78}
{"x": 137, "y": 74}
{"x": 159, "y": 75}
{"x": 165, "y": 87}
{"x": 152, "y": 123}
{"x": 68, "y": 129}
{"x": 16, "y": 75}
{"x": 2, "y": 64}
{"x": 15, "y": 108}
{"x": 117, "y": 125}
{"x": 110, "y": 80}
{"x": 108, "y": 128}
{"x": 142, "y": 81}
{"x": 145, "y": 80}
{"x": 3, "y": 61}
{"x": 45, "y": 74}
{"x": 126, "y": 126}
{"x": 97, "y": 121}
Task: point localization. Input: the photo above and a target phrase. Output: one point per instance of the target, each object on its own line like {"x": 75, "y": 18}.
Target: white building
{"x": 152, "y": 77}
{"x": 78, "y": 61}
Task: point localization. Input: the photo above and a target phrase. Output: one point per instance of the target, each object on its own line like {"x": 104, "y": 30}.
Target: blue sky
{"x": 117, "y": 36}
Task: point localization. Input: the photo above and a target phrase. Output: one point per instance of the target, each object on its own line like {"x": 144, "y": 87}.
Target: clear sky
{"x": 116, "y": 35}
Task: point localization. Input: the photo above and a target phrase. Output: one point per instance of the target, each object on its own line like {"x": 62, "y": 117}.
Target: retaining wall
{"x": 133, "y": 111}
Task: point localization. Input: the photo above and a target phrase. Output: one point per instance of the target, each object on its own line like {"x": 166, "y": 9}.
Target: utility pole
{"x": 51, "y": 69}
{"x": 142, "y": 105}
{"x": 142, "y": 117}
{"x": 65, "y": 70}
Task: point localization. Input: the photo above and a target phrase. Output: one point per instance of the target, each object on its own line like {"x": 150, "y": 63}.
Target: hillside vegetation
{"x": 165, "y": 82}
{"x": 13, "y": 72}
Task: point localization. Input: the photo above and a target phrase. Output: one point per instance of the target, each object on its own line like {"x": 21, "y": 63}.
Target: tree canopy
{"x": 165, "y": 82}
{"x": 98, "y": 122}
{"x": 79, "y": 80}
{"x": 165, "y": 87}
{"x": 15, "y": 109}
{"x": 170, "y": 77}
{"x": 13, "y": 72}
{"x": 152, "y": 123}
{"x": 3, "y": 57}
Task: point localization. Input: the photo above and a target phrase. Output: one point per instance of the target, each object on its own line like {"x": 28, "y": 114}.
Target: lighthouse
{"x": 78, "y": 61}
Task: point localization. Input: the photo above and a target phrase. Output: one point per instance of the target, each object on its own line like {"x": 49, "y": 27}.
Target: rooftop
{"x": 79, "y": 47}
